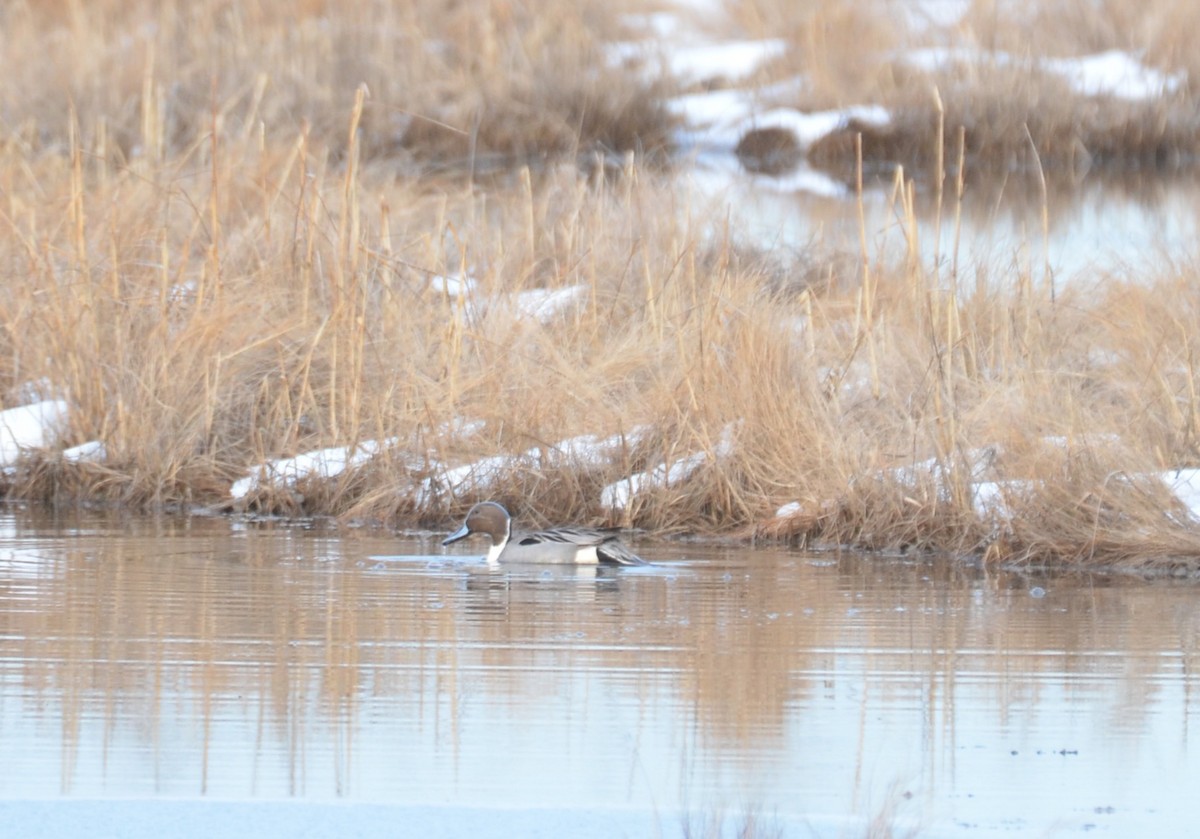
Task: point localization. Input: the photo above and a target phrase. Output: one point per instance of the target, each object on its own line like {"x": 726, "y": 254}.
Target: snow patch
{"x": 697, "y": 62}
{"x": 792, "y": 508}
{"x": 92, "y": 451}
{"x": 321, "y": 463}
{"x": 479, "y": 476}
{"x": 1113, "y": 73}
{"x": 541, "y": 304}
{"x": 30, "y": 427}
{"x": 545, "y": 304}
{"x": 617, "y": 495}
{"x": 1185, "y": 484}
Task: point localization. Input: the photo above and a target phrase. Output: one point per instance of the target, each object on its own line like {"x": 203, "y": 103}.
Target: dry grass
{"x": 450, "y": 84}
{"x": 216, "y": 275}
{"x": 1015, "y": 114}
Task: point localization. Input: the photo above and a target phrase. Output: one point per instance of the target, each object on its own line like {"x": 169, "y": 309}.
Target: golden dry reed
{"x": 223, "y": 245}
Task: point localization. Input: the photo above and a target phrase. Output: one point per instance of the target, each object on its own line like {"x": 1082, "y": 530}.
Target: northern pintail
{"x": 558, "y": 545}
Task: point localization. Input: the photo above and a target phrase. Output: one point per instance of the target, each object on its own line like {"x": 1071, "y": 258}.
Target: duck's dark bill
{"x": 461, "y": 533}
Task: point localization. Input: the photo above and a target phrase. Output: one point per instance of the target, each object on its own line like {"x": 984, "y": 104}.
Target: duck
{"x": 566, "y": 545}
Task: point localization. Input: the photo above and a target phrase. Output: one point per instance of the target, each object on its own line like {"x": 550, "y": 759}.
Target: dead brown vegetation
{"x": 449, "y": 84}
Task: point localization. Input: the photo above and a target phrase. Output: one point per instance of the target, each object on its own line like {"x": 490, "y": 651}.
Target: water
{"x": 205, "y": 675}
{"x": 1133, "y": 225}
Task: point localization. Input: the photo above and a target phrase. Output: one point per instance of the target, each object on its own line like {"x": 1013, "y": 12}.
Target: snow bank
{"x": 479, "y": 476}
{"x": 1114, "y": 73}
{"x": 540, "y": 304}
{"x": 321, "y": 463}
{"x": 990, "y": 494}
{"x": 28, "y": 427}
{"x": 617, "y": 495}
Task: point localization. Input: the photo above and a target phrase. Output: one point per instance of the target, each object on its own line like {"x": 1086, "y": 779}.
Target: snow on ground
{"x": 693, "y": 60}
{"x": 1185, "y": 483}
{"x": 990, "y": 494}
{"x": 722, "y": 118}
{"x": 540, "y": 304}
{"x": 92, "y": 451}
{"x": 30, "y": 427}
{"x": 322, "y": 463}
{"x": 462, "y": 285}
{"x": 39, "y": 425}
{"x": 617, "y": 495}
{"x": 479, "y": 476}
{"x": 715, "y": 121}
{"x": 545, "y": 304}
{"x": 1114, "y": 73}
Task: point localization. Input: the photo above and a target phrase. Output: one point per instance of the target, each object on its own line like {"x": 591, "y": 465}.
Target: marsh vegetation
{"x": 448, "y": 243}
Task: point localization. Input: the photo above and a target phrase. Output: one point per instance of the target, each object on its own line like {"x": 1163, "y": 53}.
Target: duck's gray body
{"x": 568, "y": 545}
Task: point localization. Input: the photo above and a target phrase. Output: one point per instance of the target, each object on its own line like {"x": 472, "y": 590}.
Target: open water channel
{"x": 200, "y": 676}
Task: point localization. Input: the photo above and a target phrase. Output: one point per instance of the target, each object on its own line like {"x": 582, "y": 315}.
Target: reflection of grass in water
{"x": 210, "y": 300}
{"x": 302, "y": 646}
{"x": 750, "y": 824}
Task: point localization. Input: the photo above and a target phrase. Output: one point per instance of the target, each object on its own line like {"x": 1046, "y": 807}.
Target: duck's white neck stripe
{"x": 493, "y": 554}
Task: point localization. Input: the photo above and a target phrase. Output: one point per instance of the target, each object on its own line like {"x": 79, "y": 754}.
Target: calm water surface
{"x": 1136, "y": 227}
{"x": 206, "y": 673}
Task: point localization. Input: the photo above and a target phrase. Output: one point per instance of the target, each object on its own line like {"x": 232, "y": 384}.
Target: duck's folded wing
{"x": 608, "y": 547}
{"x": 583, "y": 536}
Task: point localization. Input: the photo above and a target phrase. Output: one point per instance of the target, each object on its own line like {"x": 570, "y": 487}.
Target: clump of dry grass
{"x": 449, "y": 84}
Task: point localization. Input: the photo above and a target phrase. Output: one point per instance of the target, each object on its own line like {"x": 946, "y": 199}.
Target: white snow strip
{"x": 544, "y": 304}
{"x": 92, "y": 451}
{"x": 792, "y": 508}
{"x": 617, "y": 495}
{"x": 596, "y": 451}
{"x": 695, "y": 63}
{"x": 810, "y": 127}
{"x": 722, "y": 117}
{"x": 717, "y": 122}
{"x": 462, "y": 285}
{"x": 979, "y": 461}
{"x": 717, "y": 116}
{"x": 541, "y": 304}
{"x": 479, "y": 476}
{"x": 322, "y": 463}
{"x": 990, "y": 498}
{"x": 1114, "y": 73}
{"x": 30, "y": 427}
{"x": 1185, "y": 483}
